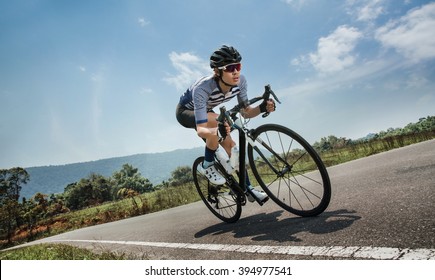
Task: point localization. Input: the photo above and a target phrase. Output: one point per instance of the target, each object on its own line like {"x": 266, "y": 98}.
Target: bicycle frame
{"x": 245, "y": 134}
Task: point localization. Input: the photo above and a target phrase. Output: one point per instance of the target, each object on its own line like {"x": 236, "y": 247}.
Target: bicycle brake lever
{"x": 270, "y": 91}
{"x": 275, "y": 97}
{"x": 267, "y": 92}
{"x": 224, "y": 116}
{"x": 229, "y": 119}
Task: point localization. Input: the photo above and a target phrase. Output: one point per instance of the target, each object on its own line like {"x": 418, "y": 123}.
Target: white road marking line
{"x": 378, "y": 253}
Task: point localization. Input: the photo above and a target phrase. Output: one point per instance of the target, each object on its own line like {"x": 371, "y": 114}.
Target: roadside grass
{"x": 159, "y": 200}
{"x": 57, "y": 252}
{"x": 364, "y": 149}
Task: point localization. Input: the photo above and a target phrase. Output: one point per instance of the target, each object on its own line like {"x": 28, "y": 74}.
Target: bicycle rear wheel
{"x": 222, "y": 201}
{"x": 289, "y": 170}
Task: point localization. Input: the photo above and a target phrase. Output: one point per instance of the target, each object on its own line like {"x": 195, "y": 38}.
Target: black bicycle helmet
{"x": 223, "y": 56}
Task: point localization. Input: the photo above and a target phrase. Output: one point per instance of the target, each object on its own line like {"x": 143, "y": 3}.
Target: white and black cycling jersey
{"x": 205, "y": 94}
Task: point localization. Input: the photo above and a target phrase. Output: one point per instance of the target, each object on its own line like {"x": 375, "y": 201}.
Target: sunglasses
{"x": 231, "y": 67}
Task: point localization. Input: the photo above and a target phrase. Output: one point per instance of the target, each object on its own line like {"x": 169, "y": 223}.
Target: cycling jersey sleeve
{"x": 200, "y": 98}
{"x": 242, "y": 97}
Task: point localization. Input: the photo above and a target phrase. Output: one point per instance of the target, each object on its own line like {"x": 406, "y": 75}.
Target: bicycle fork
{"x": 281, "y": 173}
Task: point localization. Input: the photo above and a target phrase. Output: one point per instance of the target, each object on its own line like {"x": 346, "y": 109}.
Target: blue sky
{"x": 87, "y": 80}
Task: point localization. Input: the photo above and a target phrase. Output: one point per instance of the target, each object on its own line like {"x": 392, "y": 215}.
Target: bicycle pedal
{"x": 213, "y": 190}
{"x": 264, "y": 201}
{"x": 211, "y": 200}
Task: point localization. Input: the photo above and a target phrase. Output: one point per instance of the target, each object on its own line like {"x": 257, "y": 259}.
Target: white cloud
{"x": 145, "y": 91}
{"x": 334, "y": 52}
{"x": 189, "y": 66}
{"x": 299, "y": 61}
{"x": 97, "y": 77}
{"x": 297, "y": 4}
{"x": 142, "y": 22}
{"x": 413, "y": 35}
{"x": 416, "y": 81}
{"x": 366, "y": 10}
{"x": 354, "y": 76}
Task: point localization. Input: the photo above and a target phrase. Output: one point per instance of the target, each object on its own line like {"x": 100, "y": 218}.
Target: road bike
{"x": 284, "y": 165}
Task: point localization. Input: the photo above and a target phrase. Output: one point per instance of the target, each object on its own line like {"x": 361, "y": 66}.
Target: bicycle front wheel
{"x": 289, "y": 170}
{"x": 222, "y": 201}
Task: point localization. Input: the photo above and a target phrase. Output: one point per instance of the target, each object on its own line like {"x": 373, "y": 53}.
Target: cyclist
{"x": 195, "y": 109}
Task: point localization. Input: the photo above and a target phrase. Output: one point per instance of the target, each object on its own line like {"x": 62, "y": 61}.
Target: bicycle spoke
{"x": 306, "y": 191}
{"x": 292, "y": 176}
{"x": 289, "y": 189}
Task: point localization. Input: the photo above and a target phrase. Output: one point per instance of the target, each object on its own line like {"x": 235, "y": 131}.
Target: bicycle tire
{"x": 224, "y": 202}
{"x": 301, "y": 185}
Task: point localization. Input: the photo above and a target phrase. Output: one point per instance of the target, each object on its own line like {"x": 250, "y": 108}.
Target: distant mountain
{"x": 157, "y": 167}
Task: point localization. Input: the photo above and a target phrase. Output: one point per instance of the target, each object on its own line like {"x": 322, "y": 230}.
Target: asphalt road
{"x": 382, "y": 207}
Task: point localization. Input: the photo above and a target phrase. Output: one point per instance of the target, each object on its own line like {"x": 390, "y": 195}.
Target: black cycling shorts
{"x": 185, "y": 117}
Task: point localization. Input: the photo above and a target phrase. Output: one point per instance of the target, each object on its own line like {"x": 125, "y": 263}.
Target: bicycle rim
{"x": 223, "y": 202}
{"x": 295, "y": 177}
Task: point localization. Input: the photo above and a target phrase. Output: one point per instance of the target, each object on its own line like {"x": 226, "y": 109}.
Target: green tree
{"x": 34, "y": 210}
{"x": 331, "y": 142}
{"x": 181, "y": 175}
{"x": 90, "y": 191}
{"x": 56, "y": 205}
{"x": 10, "y": 211}
{"x": 11, "y": 181}
{"x": 129, "y": 178}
